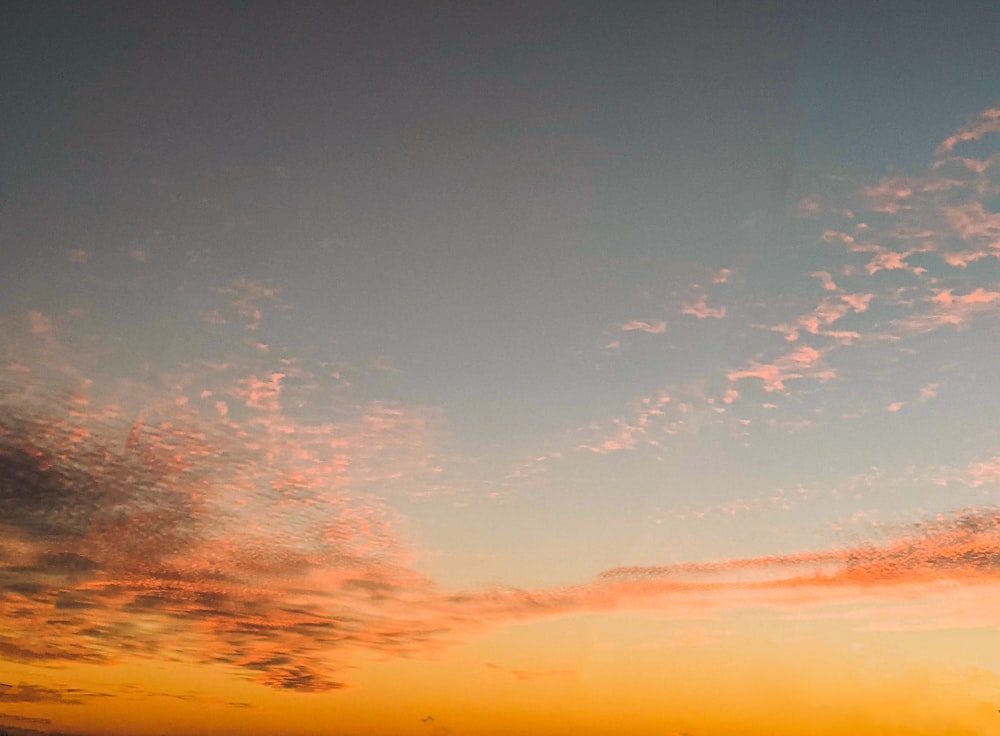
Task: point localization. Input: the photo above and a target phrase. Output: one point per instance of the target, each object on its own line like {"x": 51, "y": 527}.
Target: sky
{"x": 469, "y": 368}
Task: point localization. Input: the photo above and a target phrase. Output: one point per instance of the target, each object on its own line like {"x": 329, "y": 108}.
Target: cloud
{"x": 971, "y": 221}
{"x": 699, "y": 308}
{"x": 928, "y": 392}
{"x": 253, "y": 543}
{"x": 964, "y": 547}
{"x": 984, "y": 473}
{"x": 237, "y": 508}
{"x": 654, "y": 327}
{"x": 11, "y": 718}
{"x": 25, "y": 692}
{"x": 858, "y": 302}
{"x": 626, "y": 433}
{"x": 40, "y": 324}
{"x": 138, "y": 521}
{"x": 244, "y": 301}
{"x": 529, "y": 675}
{"x": 987, "y": 122}
{"x": 962, "y": 259}
{"x": 835, "y": 236}
{"x": 810, "y": 207}
{"x": 826, "y": 279}
{"x": 890, "y": 195}
{"x": 947, "y": 309}
{"x": 803, "y": 363}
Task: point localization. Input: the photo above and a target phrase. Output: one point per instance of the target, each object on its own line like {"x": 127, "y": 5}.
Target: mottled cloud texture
{"x": 206, "y": 513}
{"x": 236, "y": 507}
{"x": 904, "y": 258}
{"x": 161, "y": 527}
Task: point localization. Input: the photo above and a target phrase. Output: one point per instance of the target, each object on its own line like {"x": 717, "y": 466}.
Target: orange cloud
{"x": 157, "y": 524}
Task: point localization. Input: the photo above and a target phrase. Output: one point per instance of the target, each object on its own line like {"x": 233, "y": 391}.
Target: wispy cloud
{"x": 802, "y": 363}
{"x": 24, "y": 692}
{"x": 249, "y": 544}
{"x": 699, "y": 308}
{"x": 244, "y": 301}
{"x": 988, "y": 121}
{"x": 653, "y": 327}
{"x": 950, "y": 310}
{"x": 530, "y": 675}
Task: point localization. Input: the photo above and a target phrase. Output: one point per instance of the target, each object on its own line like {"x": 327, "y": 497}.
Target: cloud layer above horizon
{"x": 231, "y": 499}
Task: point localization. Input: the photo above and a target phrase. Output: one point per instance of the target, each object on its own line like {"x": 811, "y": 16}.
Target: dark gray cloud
{"x": 25, "y": 692}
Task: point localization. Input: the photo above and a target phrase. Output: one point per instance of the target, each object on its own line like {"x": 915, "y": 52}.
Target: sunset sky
{"x": 475, "y": 369}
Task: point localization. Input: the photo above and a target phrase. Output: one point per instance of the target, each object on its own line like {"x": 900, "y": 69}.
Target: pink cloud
{"x": 964, "y": 547}
{"x": 890, "y": 260}
{"x": 259, "y": 393}
{"x": 810, "y": 207}
{"x": 948, "y": 309}
{"x": 700, "y": 309}
{"x": 973, "y": 222}
{"x": 41, "y": 326}
{"x": 826, "y": 313}
{"x": 241, "y": 540}
{"x": 975, "y": 165}
{"x": 984, "y": 473}
{"x": 835, "y": 236}
{"x": 962, "y": 259}
{"x": 825, "y": 279}
{"x": 987, "y": 122}
{"x": 889, "y": 195}
{"x": 245, "y": 299}
{"x": 858, "y": 302}
{"x": 802, "y": 363}
{"x": 626, "y": 433}
{"x": 894, "y": 195}
{"x": 253, "y": 545}
{"x": 977, "y": 297}
{"x": 928, "y": 392}
{"x": 656, "y": 327}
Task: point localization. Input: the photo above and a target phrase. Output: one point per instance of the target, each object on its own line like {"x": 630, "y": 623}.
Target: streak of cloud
{"x": 654, "y": 327}
{"x": 988, "y": 121}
